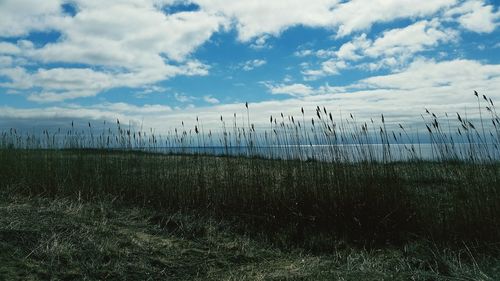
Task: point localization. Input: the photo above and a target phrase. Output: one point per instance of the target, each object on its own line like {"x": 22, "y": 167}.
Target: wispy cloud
{"x": 292, "y": 89}
{"x": 183, "y": 98}
{"x": 210, "y": 99}
{"x": 252, "y": 64}
{"x": 149, "y": 90}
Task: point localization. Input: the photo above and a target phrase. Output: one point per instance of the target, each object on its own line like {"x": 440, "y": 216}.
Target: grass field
{"x": 366, "y": 203}
{"x": 124, "y": 215}
{"x": 107, "y": 205}
{"x": 66, "y": 239}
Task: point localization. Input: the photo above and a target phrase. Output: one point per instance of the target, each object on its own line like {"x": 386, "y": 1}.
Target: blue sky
{"x": 162, "y": 61}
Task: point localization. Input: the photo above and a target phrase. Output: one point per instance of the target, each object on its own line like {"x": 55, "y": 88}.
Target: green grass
{"x": 66, "y": 239}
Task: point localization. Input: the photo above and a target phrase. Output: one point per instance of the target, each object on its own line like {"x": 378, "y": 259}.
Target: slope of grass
{"x": 62, "y": 239}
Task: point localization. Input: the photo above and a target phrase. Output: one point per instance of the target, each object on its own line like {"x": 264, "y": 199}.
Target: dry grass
{"x": 69, "y": 240}
{"x": 292, "y": 186}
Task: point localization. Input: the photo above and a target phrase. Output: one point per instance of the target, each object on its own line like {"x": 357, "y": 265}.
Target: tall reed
{"x": 367, "y": 181}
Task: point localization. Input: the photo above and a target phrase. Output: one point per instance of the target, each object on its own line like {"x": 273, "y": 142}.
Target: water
{"x": 349, "y": 153}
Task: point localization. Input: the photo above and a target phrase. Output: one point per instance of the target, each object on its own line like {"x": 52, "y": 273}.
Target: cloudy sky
{"x": 157, "y": 62}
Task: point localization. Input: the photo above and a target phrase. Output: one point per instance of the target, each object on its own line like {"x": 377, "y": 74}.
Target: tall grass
{"x": 363, "y": 181}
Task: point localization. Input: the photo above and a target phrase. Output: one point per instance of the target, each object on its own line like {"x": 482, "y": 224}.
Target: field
{"x": 67, "y": 239}
{"x": 101, "y": 203}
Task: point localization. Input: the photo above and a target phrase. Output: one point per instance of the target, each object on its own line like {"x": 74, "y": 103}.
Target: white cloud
{"x": 59, "y": 84}
{"x": 304, "y": 53}
{"x": 259, "y": 17}
{"x": 359, "y": 15}
{"x": 300, "y": 90}
{"x": 252, "y": 64}
{"x": 411, "y": 39}
{"x": 20, "y": 79}
{"x": 126, "y": 43}
{"x": 475, "y": 15}
{"x": 125, "y": 108}
{"x": 154, "y": 89}
{"x": 19, "y": 17}
{"x": 9, "y": 48}
{"x": 445, "y": 86}
{"x": 48, "y": 97}
{"x": 329, "y": 67}
{"x": 398, "y": 46}
{"x": 351, "y": 49}
{"x": 456, "y": 76}
{"x": 296, "y": 89}
{"x": 392, "y": 49}
{"x": 150, "y": 89}
{"x": 103, "y": 34}
{"x": 288, "y": 78}
{"x": 5, "y": 61}
{"x": 63, "y": 116}
{"x": 183, "y": 98}
{"x": 261, "y": 43}
{"x": 211, "y": 100}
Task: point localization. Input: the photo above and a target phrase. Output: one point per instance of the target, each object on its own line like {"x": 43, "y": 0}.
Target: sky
{"x": 156, "y": 63}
